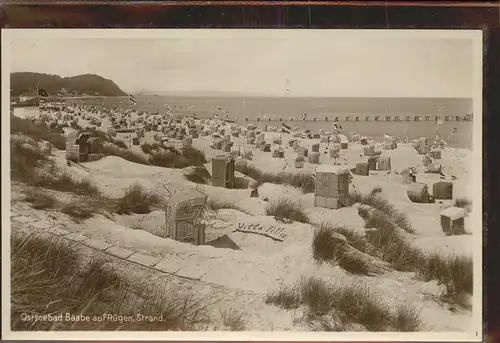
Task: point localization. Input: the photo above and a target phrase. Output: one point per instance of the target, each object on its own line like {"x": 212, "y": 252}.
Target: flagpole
{"x": 38, "y": 96}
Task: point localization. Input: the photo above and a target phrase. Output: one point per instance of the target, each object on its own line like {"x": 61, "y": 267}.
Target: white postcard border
{"x": 476, "y": 36}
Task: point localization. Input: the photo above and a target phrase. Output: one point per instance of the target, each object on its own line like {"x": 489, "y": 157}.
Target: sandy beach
{"x": 260, "y": 264}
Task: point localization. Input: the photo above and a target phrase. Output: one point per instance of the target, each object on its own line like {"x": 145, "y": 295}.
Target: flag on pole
{"x": 41, "y": 92}
{"x": 131, "y": 98}
{"x": 285, "y": 128}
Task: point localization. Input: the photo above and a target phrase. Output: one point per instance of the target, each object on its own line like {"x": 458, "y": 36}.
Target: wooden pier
{"x": 347, "y": 118}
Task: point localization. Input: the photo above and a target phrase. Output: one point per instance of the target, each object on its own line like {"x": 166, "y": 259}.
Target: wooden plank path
{"x": 170, "y": 266}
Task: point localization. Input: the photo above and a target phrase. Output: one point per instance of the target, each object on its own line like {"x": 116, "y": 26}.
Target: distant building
{"x": 27, "y": 96}
{"x": 27, "y": 109}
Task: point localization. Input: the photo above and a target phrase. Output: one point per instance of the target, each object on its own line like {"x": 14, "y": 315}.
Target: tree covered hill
{"x": 25, "y": 83}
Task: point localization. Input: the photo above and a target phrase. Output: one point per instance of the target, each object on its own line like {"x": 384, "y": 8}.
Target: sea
{"x": 264, "y": 111}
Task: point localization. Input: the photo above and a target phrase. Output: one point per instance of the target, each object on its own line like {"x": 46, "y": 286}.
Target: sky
{"x": 361, "y": 67}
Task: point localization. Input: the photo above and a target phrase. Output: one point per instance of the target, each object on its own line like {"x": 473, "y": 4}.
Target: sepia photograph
{"x": 242, "y": 184}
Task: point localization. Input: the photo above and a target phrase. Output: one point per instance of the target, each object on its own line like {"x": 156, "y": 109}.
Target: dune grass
{"x": 463, "y": 203}
{"x": 74, "y": 125}
{"x": 66, "y": 183}
{"x": 27, "y": 165}
{"x": 78, "y": 210}
{"x": 119, "y": 143}
{"x": 125, "y": 153}
{"x": 193, "y": 156}
{"x": 101, "y": 134}
{"x": 285, "y": 208}
{"x": 24, "y": 159}
{"x": 373, "y": 199}
{"x": 40, "y": 200}
{"x": 48, "y": 276}
{"x": 38, "y": 131}
{"x": 149, "y": 148}
{"x": 353, "y": 303}
{"x": 392, "y": 246}
{"x": 406, "y": 318}
{"x": 171, "y": 158}
{"x": 198, "y": 175}
{"x": 137, "y": 200}
{"x": 233, "y": 320}
{"x": 241, "y": 183}
{"x": 454, "y": 273}
{"x": 286, "y": 297}
{"x": 220, "y": 204}
{"x": 329, "y": 245}
{"x": 304, "y": 181}
{"x": 354, "y": 239}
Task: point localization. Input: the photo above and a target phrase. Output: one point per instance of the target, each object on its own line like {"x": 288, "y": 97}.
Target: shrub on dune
{"x": 137, "y": 200}
{"x": 285, "y": 208}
